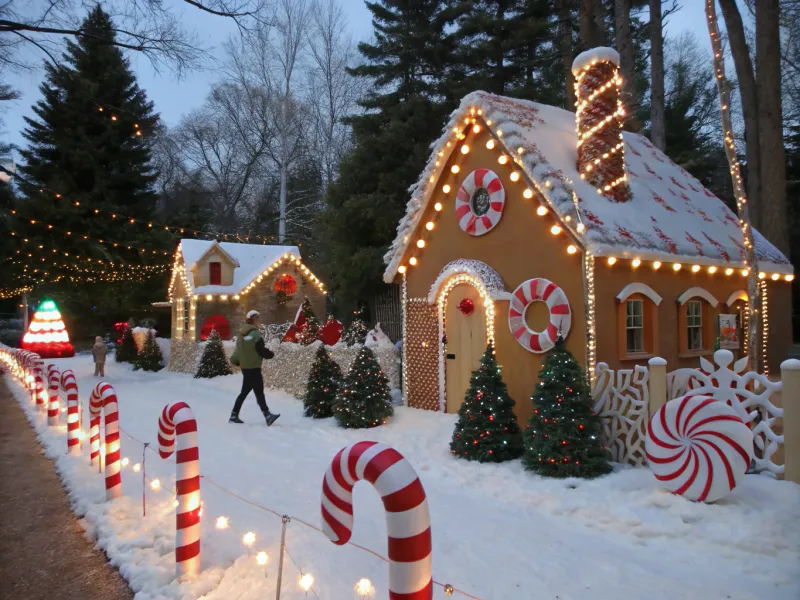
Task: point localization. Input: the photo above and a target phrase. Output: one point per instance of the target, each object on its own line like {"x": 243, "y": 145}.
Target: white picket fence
{"x": 624, "y": 401}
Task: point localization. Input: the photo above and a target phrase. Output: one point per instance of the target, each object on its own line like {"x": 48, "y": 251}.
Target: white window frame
{"x": 694, "y": 321}
{"x": 630, "y": 317}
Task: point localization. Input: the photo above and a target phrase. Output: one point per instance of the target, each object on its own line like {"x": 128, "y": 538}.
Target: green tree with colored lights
{"x": 126, "y": 350}
{"x": 487, "y": 429}
{"x": 323, "y": 386}
{"x": 563, "y": 438}
{"x": 309, "y": 331}
{"x": 150, "y": 358}
{"x": 213, "y": 362}
{"x": 364, "y": 399}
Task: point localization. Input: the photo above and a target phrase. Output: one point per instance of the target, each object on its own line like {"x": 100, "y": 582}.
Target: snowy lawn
{"x": 498, "y": 532}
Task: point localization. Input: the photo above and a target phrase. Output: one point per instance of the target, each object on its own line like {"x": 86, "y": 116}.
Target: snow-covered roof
{"x": 253, "y": 260}
{"x": 670, "y": 216}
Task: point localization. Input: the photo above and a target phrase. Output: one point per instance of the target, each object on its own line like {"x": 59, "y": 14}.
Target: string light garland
{"x": 743, "y": 210}
{"x": 13, "y": 293}
{"x": 589, "y": 308}
{"x": 764, "y": 327}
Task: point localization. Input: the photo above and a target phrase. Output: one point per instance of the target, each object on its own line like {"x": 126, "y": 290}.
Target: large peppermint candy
{"x": 480, "y": 201}
{"x": 539, "y": 290}
{"x": 698, "y": 447}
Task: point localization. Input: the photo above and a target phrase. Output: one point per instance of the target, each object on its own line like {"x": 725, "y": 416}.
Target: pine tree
{"x": 213, "y": 362}
{"x": 563, "y": 438}
{"x": 356, "y": 333}
{"x": 126, "y": 350}
{"x": 364, "y": 399}
{"x": 150, "y": 358}
{"x": 309, "y": 332}
{"x": 89, "y": 148}
{"x": 407, "y": 66}
{"x": 487, "y": 429}
{"x": 323, "y": 386}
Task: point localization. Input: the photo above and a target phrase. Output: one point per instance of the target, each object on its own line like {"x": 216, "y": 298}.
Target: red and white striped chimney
{"x": 599, "y": 116}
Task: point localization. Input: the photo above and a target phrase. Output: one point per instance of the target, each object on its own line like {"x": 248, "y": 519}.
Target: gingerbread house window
{"x": 214, "y": 273}
{"x": 696, "y": 321}
{"x": 638, "y": 321}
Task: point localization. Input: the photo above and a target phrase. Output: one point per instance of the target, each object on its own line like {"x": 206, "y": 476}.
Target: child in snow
{"x": 249, "y": 353}
{"x": 99, "y": 350}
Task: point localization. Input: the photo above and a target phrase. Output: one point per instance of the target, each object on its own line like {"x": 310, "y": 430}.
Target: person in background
{"x": 99, "y": 350}
{"x": 247, "y": 355}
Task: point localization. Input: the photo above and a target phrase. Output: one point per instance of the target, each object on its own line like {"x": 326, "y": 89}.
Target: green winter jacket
{"x": 250, "y": 349}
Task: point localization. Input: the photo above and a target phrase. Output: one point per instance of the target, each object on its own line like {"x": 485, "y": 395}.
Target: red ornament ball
{"x": 466, "y": 306}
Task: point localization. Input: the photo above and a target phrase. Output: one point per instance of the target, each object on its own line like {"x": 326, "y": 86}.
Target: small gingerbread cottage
{"x": 530, "y": 221}
{"x": 214, "y": 285}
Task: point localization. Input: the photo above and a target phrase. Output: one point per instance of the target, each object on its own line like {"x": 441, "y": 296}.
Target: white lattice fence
{"x": 748, "y": 393}
{"x": 621, "y": 400}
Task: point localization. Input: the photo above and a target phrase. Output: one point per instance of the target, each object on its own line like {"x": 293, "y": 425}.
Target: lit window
{"x": 694, "y": 324}
{"x": 634, "y": 326}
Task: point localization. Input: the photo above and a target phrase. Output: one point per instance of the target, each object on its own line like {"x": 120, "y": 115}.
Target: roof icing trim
{"x": 490, "y": 278}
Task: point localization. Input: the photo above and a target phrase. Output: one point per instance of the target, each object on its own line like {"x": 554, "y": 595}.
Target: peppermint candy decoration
{"x": 698, "y": 447}
{"x": 539, "y": 290}
{"x": 480, "y": 201}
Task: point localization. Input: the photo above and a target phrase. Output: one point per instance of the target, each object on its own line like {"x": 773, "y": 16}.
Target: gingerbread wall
{"x": 519, "y": 248}
{"x": 609, "y": 281}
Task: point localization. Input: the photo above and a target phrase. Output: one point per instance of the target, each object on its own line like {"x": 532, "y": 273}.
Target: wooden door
{"x": 466, "y": 343}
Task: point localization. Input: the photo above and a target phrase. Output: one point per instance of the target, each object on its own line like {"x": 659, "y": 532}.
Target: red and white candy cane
{"x": 38, "y": 378}
{"x": 177, "y": 432}
{"x": 539, "y": 290}
{"x": 104, "y": 400}
{"x": 698, "y": 447}
{"x": 407, "y": 518}
{"x": 70, "y": 386}
{"x": 478, "y": 223}
{"x": 53, "y": 389}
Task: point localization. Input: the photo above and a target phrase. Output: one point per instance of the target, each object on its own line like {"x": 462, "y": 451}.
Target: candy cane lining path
{"x": 103, "y": 399}
{"x": 54, "y": 383}
{"x": 407, "y": 516}
{"x": 177, "y": 420}
{"x": 70, "y": 387}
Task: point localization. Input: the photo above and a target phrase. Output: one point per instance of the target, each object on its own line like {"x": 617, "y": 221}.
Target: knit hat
{"x": 253, "y": 313}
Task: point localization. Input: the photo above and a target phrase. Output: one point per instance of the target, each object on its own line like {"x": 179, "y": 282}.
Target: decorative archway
{"x": 217, "y": 322}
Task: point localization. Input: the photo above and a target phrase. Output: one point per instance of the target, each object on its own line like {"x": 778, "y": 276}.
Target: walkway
{"x": 45, "y": 555}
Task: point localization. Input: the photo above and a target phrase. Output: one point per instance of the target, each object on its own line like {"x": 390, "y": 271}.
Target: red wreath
{"x": 466, "y": 306}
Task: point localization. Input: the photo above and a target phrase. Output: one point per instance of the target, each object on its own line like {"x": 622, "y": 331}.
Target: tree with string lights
{"x": 487, "y": 429}
{"x": 563, "y": 438}
{"x": 213, "y": 361}
{"x": 364, "y": 399}
{"x": 126, "y": 350}
{"x": 150, "y": 357}
{"x": 323, "y": 386}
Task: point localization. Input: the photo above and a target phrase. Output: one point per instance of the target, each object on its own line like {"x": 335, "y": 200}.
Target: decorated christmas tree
{"x": 563, "y": 438}
{"x": 356, "y": 332}
{"x": 307, "y": 324}
{"x": 213, "y": 362}
{"x": 150, "y": 358}
{"x": 126, "y": 350}
{"x": 323, "y": 386}
{"x": 46, "y": 335}
{"x": 363, "y": 399}
{"x": 487, "y": 429}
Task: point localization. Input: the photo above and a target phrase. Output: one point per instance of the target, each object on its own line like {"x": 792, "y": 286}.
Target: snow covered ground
{"x": 498, "y": 532}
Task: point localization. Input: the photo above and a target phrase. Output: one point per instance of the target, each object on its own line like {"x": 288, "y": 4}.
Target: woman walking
{"x": 249, "y": 353}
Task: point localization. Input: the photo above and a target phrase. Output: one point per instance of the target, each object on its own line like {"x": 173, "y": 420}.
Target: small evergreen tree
{"x": 150, "y": 358}
{"x": 563, "y": 438}
{"x": 356, "y": 333}
{"x": 309, "y": 332}
{"x": 487, "y": 429}
{"x": 126, "y": 350}
{"x": 363, "y": 399}
{"x": 323, "y": 385}
{"x": 213, "y": 362}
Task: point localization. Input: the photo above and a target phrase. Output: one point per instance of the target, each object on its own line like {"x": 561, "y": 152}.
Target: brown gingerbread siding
{"x": 519, "y": 248}
{"x": 422, "y": 343}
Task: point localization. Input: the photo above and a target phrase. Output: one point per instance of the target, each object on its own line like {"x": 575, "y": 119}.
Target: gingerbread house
{"x": 214, "y": 285}
{"x": 530, "y": 221}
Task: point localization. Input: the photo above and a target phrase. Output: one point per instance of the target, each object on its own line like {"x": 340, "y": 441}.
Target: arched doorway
{"x": 465, "y": 331}
{"x": 217, "y": 322}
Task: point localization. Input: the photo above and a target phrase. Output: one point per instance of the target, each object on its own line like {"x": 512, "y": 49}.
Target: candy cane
{"x": 54, "y": 383}
{"x": 177, "y": 420}
{"x": 38, "y": 379}
{"x": 407, "y": 519}
{"x": 70, "y": 387}
{"x": 103, "y": 399}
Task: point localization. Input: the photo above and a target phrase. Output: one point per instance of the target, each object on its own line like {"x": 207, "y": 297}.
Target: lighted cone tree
{"x": 487, "y": 429}
{"x": 356, "y": 333}
{"x": 308, "y": 324}
{"x": 126, "y": 350}
{"x": 323, "y": 386}
{"x": 46, "y": 335}
{"x": 213, "y": 362}
{"x": 364, "y": 399}
{"x": 564, "y": 436}
{"x": 150, "y": 358}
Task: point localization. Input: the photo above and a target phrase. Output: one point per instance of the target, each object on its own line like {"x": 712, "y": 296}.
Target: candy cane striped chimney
{"x": 599, "y": 116}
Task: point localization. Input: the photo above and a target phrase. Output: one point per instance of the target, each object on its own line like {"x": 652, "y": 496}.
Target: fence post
{"x": 790, "y": 397}
{"x": 285, "y": 521}
{"x": 657, "y": 383}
